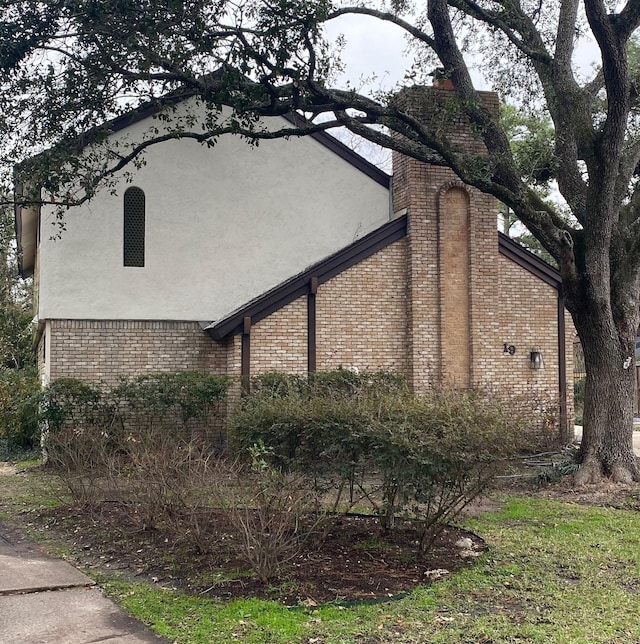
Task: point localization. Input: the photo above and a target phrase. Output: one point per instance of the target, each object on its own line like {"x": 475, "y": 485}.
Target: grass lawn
{"x": 554, "y": 572}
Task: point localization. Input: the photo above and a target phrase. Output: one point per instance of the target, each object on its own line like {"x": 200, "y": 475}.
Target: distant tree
{"x": 68, "y": 64}
{"x": 15, "y": 302}
{"x": 531, "y": 138}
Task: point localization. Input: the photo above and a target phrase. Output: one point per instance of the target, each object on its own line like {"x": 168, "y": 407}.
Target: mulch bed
{"x": 356, "y": 562}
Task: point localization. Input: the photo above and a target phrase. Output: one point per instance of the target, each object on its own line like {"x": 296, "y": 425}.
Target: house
{"x": 295, "y": 255}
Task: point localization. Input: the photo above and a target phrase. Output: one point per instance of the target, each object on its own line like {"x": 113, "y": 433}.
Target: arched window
{"x": 134, "y": 212}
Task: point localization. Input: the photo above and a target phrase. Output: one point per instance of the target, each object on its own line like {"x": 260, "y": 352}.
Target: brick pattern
{"x": 360, "y": 321}
{"x": 279, "y": 342}
{"x": 464, "y": 299}
{"x": 233, "y": 369}
{"x": 108, "y": 349}
{"x": 486, "y": 298}
{"x": 570, "y": 336}
{"x": 528, "y": 321}
{"x": 455, "y": 300}
{"x": 415, "y": 188}
{"x": 362, "y": 315}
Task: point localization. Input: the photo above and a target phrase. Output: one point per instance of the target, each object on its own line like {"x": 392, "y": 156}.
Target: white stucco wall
{"x": 223, "y": 225}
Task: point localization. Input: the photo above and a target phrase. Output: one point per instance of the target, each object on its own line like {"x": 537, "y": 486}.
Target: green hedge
{"x": 19, "y": 398}
{"x": 423, "y": 457}
{"x": 84, "y": 420}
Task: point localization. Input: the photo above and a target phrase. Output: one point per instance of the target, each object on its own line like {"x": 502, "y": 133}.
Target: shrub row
{"x": 140, "y": 431}
{"x": 405, "y": 456}
{"x": 302, "y": 451}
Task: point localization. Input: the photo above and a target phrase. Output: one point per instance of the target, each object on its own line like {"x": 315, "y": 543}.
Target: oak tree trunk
{"x": 607, "y": 439}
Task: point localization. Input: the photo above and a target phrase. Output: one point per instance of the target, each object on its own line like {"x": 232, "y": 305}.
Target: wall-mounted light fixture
{"x": 536, "y": 360}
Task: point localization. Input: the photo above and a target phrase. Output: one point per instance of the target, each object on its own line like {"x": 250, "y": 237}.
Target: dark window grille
{"x": 134, "y": 227}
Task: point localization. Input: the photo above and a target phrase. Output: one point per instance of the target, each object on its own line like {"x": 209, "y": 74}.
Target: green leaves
{"x": 417, "y": 457}
{"x": 532, "y": 140}
{"x": 19, "y": 431}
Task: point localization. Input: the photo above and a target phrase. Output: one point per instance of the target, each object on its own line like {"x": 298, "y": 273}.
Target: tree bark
{"x": 607, "y": 439}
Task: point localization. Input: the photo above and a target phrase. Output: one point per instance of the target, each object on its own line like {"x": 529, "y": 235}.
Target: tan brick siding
{"x": 455, "y": 299}
{"x": 360, "y": 321}
{"x": 420, "y": 198}
{"x": 362, "y": 315}
{"x": 279, "y": 342}
{"x": 458, "y": 280}
{"x": 108, "y": 349}
{"x": 527, "y": 318}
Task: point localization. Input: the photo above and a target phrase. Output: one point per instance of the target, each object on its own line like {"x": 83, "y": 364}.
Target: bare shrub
{"x": 136, "y": 443}
{"x": 78, "y": 436}
{"x": 210, "y": 486}
{"x": 274, "y": 513}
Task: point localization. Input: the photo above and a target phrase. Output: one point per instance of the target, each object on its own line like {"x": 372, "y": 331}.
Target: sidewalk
{"x": 44, "y": 600}
{"x": 636, "y": 435}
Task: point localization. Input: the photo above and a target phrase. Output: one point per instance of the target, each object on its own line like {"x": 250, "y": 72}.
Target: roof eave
{"x": 298, "y": 285}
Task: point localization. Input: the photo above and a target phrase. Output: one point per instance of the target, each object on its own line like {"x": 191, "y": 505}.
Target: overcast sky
{"x": 374, "y": 47}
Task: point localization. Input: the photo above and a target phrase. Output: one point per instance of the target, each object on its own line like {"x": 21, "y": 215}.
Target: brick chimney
{"x": 453, "y": 252}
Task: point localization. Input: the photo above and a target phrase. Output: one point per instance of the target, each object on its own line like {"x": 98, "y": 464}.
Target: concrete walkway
{"x": 44, "y": 600}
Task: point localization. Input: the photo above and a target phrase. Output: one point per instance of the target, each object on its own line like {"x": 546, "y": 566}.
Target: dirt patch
{"x": 603, "y": 494}
{"x": 7, "y": 469}
{"x": 356, "y": 562}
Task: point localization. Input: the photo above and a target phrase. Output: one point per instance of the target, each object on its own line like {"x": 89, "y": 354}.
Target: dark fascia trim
{"x": 530, "y": 262}
{"x": 137, "y": 114}
{"x": 294, "y": 288}
{"x": 150, "y": 108}
{"x": 342, "y": 150}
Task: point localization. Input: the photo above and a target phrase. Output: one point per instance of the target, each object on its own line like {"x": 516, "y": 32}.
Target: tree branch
{"x": 628, "y": 20}
{"x": 418, "y": 34}
{"x": 516, "y": 26}
{"x": 565, "y": 36}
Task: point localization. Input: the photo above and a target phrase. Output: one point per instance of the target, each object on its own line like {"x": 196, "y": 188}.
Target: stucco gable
{"x": 26, "y": 229}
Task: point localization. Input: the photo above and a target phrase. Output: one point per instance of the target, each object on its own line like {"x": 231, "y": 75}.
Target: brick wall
{"x": 360, "y": 321}
{"x": 464, "y": 299}
{"x": 279, "y": 342}
{"x": 455, "y": 294}
{"x": 108, "y": 349}
{"x": 528, "y": 319}
{"x": 362, "y": 314}
{"x": 415, "y": 188}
